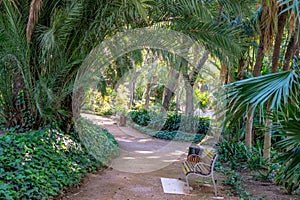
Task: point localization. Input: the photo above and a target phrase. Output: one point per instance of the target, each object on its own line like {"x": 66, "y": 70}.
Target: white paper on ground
{"x": 173, "y": 186}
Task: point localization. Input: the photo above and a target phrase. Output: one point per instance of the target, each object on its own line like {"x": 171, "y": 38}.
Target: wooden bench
{"x": 201, "y": 165}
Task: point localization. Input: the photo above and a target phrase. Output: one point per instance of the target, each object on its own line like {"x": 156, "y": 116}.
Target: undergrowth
{"x": 42, "y": 163}
{"x": 169, "y": 135}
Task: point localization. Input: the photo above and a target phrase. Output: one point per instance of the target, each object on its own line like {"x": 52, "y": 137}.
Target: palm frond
{"x": 293, "y": 6}
{"x": 142, "y": 6}
{"x": 289, "y": 146}
{"x": 276, "y": 88}
{"x": 213, "y": 35}
{"x": 237, "y": 6}
{"x": 196, "y": 9}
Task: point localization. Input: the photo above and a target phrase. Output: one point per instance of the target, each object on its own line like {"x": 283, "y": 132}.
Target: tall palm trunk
{"x": 241, "y": 68}
{"x": 224, "y": 73}
{"x": 265, "y": 41}
{"x": 248, "y": 131}
{"x": 260, "y": 56}
{"x": 278, "y": 40}
{"x": 276, "y": 53}
{"x": 132, "y": 85}
{"x": 256, "y": 72}
{"x": 291, "y": 48}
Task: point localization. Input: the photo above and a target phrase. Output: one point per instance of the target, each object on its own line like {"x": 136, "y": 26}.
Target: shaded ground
{"x": 143, "y": 160}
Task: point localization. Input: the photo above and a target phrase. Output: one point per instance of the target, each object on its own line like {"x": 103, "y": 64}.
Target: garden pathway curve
{"x": 136, "y": 173}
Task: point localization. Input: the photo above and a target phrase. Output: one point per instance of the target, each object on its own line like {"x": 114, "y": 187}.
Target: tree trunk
{"x": 276, "y": 53}
{"x": 278, "y": 40}
{"x": 259, "y": 58}
{"x": 224, "y": 73}
{"x": 169, "y": 89}
{"x": 147, "y": 96}
{"x": 291, "y": 48}
{"x": 241, "y": 68}
{"x": 147, "y": 93}
{"x": 189, "y": 107}
{"x": 267, "y": 140}
{"x": 178, "y": 98}
{"x": 248, "y": 134}
{"x": 256, "y": 72}
{"x": 132, "y": 86}
{"x": 199, "y": 66}
{"x": 189, "y": 84}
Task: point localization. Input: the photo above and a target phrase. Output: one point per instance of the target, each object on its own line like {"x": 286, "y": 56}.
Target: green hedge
{"x": 40, "y": 164}
{"x": 141, "y": 117}
{"x": 170, "y": 135}
{"x": 170, "y": 121}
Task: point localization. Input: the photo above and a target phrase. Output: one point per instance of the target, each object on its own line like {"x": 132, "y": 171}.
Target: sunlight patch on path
{"x": 148, "y": 161}
{"x": 140, "y": 153}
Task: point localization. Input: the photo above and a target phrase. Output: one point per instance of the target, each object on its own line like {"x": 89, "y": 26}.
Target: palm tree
{"x": 289, "y": 159}
{"x": 43, "y": 44}
{"x": 279, "y": 93}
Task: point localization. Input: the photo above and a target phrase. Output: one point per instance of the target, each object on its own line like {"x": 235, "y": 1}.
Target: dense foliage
{"x": 140, "y": 117}
{"x": 170, "y": 122}
{"x": 170, "y": 126}
{"x": 39, "y": 164}
{"x": 44, "y": 42}
{"x": 237, "y": 156}
{"x": 170, "y": 135}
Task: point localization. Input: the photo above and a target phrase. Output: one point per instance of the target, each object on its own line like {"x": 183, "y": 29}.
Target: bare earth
{"x": 143, "y": 160}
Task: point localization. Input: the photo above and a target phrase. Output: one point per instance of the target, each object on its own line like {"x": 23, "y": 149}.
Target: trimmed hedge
{"x": 40, "y": 164}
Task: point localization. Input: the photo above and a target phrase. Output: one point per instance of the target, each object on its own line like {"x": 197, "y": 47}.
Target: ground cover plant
{"x": 234, "y": 158}
{"x": 42, "y": 163}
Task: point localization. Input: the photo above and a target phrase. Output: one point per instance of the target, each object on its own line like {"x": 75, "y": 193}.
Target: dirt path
{"x": 136, "y": 173}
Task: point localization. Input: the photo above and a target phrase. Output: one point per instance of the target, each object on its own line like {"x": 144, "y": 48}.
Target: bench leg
{"x": 187, "y": 182}
{"x": 214, "y": 182}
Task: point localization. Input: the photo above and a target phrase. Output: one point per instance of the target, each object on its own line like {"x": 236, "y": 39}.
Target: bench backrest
{"x": 208, "y": 157}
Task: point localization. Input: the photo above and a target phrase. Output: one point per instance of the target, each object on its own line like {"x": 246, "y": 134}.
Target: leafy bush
{"x": 171, "y": 125}
{"x": 140, "y": 117}
{"x": 203, "y": 125}
{"x": 167, "y": 135}
{"x": 173, "y": 122}
{"x": 98, "y": 141}
{"x": 237, "y": 155}
{"x": 40, "y": 164}
{"x": 170, "y": 121}
{"x": 98, "y": 103}
{"x": 170, "y": 135}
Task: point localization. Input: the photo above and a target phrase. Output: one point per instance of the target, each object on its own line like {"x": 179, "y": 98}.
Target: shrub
{"x": 98, "y": 141}
{"x": 170, "y": 121}
{"x": 237, "y": 155}
{"x": 40, "y": 164}
{"x": 170, "y": 135}
{"x": 203, "y": 125}
{"x": 173, "y": 122}
{"x": 140, "y": 117}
